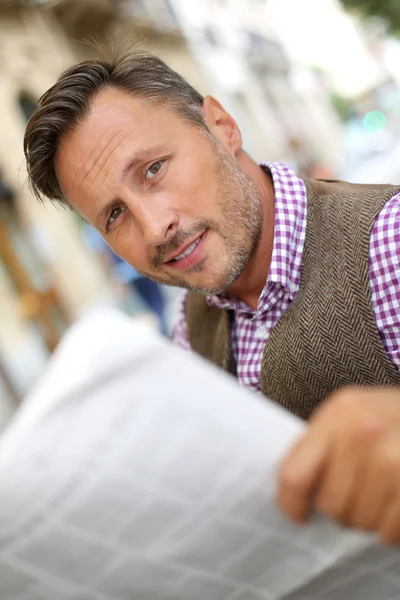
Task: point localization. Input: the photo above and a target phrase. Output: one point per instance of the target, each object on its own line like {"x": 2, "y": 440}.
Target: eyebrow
{"x": 131, "y": 164}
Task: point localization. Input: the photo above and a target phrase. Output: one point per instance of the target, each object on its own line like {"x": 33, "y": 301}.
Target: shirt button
{"x": 262, "y": 332}
{"x": 292, "y": 288}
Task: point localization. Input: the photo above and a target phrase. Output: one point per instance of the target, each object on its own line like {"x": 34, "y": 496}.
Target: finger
{"x": 300, "y": 472}
{"x": 389, "y": 529}
{"x": 344, "y": 477}
{"x": 338, "y": 483}
{"x": 373, "y": 495}
{"x": 367, "y": 509}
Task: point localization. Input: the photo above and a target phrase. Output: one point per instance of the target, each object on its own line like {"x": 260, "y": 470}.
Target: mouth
{"x": 189, "y": 255}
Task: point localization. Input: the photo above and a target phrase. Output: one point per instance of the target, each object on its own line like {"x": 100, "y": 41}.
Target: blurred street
{"x": 319, "y": 91}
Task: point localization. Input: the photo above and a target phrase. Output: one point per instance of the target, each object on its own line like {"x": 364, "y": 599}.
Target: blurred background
{"x": 313, "y": 83}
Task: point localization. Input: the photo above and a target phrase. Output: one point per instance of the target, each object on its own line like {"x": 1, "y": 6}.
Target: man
{"x": 293, "y": 285}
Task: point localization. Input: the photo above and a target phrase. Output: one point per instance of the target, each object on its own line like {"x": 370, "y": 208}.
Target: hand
{"x": 347, "y": 465}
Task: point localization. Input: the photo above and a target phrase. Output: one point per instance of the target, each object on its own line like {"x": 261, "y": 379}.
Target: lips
{"x": 188, "y": 249}
{"x": 190, "y": 255}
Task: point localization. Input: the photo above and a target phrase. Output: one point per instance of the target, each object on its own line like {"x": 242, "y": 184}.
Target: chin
{"x": 209, "y": 287}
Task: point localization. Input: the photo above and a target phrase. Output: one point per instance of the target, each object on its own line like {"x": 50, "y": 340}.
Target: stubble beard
{"x": 238, "y": 225}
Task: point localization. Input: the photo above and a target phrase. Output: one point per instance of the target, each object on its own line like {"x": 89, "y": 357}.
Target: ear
{"x": 222, "y": 125}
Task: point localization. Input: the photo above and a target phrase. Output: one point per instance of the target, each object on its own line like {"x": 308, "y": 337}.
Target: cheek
{"x": 130, "y": 249}
{"x": 193, "y": 178}
{"x": 197, "y": 191}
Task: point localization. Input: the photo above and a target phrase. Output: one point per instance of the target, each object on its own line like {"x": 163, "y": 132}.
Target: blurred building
{"x": 47, "y": 275}
{"x": 323, "y": 34}
{"x": 360, "y": 66}
{"x": 282, "y": 106}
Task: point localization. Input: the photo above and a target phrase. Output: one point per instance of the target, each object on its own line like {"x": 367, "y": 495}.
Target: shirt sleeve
{"x": 384, "y": 270}
{"x": 180, "y": 334}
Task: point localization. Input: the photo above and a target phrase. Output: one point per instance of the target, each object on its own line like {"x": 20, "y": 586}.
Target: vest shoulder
{"x": 337, "y": 187}
{"x": 197, "y": 309}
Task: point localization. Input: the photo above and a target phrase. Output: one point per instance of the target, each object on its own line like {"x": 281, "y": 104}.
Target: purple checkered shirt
{"x": 251, "y": 328}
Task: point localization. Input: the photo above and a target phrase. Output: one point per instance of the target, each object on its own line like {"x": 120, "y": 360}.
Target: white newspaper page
{"x": 137, "y": 472}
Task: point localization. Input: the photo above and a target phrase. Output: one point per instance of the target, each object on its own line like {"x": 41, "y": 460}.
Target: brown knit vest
{"x": 327, "y": 338}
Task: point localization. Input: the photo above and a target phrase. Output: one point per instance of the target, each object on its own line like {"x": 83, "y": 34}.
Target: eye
{"x": 115, "y": 213}
{"x": 154, "y": 169}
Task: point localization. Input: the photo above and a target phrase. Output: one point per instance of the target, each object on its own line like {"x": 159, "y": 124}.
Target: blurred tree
{"x": 388, "y": 11}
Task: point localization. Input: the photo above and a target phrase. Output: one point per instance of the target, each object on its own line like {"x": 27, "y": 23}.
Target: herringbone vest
{"x": 327, "y": 338}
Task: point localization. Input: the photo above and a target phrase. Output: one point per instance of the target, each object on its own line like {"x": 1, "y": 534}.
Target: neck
{"x": 249, "y": 286}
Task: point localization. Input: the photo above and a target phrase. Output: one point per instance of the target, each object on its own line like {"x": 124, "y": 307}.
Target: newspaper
{"x": 137, "y": 472}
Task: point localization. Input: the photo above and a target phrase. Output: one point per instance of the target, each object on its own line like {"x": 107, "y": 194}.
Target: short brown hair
{"x": 66, "y": 104}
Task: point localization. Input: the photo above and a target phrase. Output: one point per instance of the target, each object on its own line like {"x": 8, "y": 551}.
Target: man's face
{"x": 168, "y": 198}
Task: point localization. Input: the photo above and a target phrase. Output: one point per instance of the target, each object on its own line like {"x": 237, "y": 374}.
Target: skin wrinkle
{"x": 207, "y": 183}
{"x": 152, "y": 109}
{"x": 104, "y": 180}
{"x": 142, "y": 158}
{"x": 93, "y": 167}
{"x": 103, "y": 168}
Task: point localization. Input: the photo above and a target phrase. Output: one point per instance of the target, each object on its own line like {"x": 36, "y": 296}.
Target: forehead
{"x": 116, "y": 106}
{"x": 113, "y": 114}
{"x": 117, "y": 123}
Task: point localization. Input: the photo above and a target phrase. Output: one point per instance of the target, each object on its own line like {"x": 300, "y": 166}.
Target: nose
{"x": 157, "y": 223}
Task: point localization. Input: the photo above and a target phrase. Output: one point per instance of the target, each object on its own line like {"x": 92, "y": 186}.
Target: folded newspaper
{"x": 137, "y": 472}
